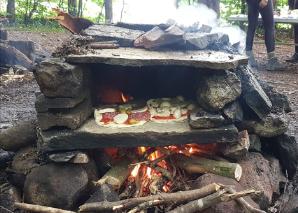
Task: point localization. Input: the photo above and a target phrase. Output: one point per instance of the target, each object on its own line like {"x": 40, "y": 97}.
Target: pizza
{"x": 125, "y": 115}
{"x": 165, "y": 110}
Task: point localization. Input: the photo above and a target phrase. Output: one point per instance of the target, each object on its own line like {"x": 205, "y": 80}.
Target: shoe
{"x": 274, "y": 65}
{"x": 293, "y": 59}
{"x": 251, "y": 59}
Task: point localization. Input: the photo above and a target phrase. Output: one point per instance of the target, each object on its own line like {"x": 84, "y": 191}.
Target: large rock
{"x": 216, "y": 90}
{"x": 286, "y": 149}
{"x": 201, "y": 40}
{"x": 271, "y": 126}
{"x": 280, "y": 102}
{"x": 200, "y": 119}
{"x": 253, "y": 94}
{"x": 224, "y": 207}
{"x": 8, "y": 196}
{"x": 233, "y": 112}
{"x": 25, "y": 160}
{"x": 103, "y": 192}
{"x": 70, "y": 118}
{"x": 57, "y": 185}
{"x": 21, "y": 135}
{"x": 263, "y": 175}
{"x": 59, "y": 79}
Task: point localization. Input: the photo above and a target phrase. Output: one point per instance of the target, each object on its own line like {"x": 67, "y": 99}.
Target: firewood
{"x": 146, "y": 205}
{"x": 117, "y": 175}
{"x": 211, "y": 200}
{"x": 194, "y": 164}
{"x": 40, "y": 209}
{"x": 166, "y": 198}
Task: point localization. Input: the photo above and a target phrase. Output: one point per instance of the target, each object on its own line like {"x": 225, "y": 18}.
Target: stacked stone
{"x": 65, "y": 100}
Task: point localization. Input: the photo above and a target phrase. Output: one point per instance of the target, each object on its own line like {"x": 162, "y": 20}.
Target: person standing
{"x": 293, "y": 4}
{"x": 265, "y": 8}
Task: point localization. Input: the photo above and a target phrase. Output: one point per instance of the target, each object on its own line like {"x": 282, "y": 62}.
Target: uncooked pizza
{"x": 126, "y": 115}
{"x": 165, "y": 110}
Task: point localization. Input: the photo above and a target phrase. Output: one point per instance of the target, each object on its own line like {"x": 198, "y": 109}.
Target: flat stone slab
{"x": 141, "y": 57}
{"x": 124, "y": 36}
{"x": 91, "y": 136}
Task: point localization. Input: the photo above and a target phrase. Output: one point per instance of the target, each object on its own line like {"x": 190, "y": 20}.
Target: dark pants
{"x": 293, "y": 4}
{"x": 268, "y": 23}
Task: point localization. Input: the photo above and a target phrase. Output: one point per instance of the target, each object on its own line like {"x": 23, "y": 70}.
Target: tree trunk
{"x": 108, "y": 11}
{"x": 10, "y": 9}
{"x": 80, "y": 8}
{"x": 212, "y": 4}
{"x": 72, "y": 7}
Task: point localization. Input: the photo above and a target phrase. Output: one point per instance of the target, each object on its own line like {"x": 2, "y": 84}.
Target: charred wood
{"x": 40, "y": 209}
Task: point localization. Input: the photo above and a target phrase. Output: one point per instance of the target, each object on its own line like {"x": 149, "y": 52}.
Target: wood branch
{"x": 167, "y": 198}
{"x": 238, "y": 150}
{"x": 211, "y": 200}
{"x": 194, "y": 164}
{"x": 146, "y": 205}
{"x": 40, "y": 209}
{"x": 117, "y": 175}
{"x": 103, "y": 45}
{"x": 245, "y": 204}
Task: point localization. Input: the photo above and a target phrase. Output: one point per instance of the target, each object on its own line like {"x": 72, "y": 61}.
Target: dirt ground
{"x": 17, "y": 95}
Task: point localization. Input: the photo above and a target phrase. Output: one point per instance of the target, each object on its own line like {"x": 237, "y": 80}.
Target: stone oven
{"x": 70, "y": 90}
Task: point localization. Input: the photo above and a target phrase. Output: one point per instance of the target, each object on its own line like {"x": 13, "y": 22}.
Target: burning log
{"x": 117, "y": 175}
{"x": 195, "y": 164}
{"x": 211, "y": 200}
{"x": 165, "y": 198}
{"x": 40, "y": 209}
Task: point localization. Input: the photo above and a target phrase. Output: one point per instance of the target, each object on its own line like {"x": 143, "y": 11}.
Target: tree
{"x": 72, "y": 7}
{"x": 108, "y": 11}
{"x": 212, "y": 4}
{"x": 11, "y": 10}
{"x": 80, "y": 8}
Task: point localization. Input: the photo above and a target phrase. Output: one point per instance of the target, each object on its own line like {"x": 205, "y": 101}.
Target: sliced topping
{"x": 177, "y": 113}
{"x": 165, "y": 104}
{"x": 120, "y": 118}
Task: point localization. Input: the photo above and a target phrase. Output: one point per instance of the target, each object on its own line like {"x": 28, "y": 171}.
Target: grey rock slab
{"x": 56, "y": 185}
{"x": 272, "y": 125}
{"x": 70, "y": 157}
{"x": 57, "y": 78}
{"x": 91, "y": 136}
{"x": 233, "y": 112}
{"x": 103, "y": 192}
{"x": 44, "y": 104}
{"x": 25, "y": 160}
{"x": 255, "y": 143}
{"x": 253, "y": 94}
{"x": 142, "y": 57}
{"x": 70, "y": 118}
{"x": 214, "y": 91}
{"x": 124, "y": 36}
{"x": 201, "y": 40}
{"x": 200, "y": 119}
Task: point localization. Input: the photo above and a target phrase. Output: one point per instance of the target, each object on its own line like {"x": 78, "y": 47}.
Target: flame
{"x": 135, "y": 170}
{"x": 124, "y": 99}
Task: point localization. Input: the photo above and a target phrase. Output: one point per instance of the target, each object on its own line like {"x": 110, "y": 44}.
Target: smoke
{"x": 165, "y": 11}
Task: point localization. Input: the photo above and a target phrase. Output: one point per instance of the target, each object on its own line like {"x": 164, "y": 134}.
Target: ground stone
{"x": 233, "y": 112}
{"x": 21, "y": 135}
{"x": 232, "y": 206}
{"x": 253, "y": 94}
{"x": 255, "y": 143}
{"x": 56, "y": 185}
{"x": 261, "y": 174}
{"x": 215, "y": 91}
{"x": 72, "y": 118}
{"x": 200, "y": 119}
{"x": 103, "y": 192}
{"x": 59, "y": 79}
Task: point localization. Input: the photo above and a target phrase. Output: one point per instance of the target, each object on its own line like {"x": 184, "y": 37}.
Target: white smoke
{"x": 161, "y": 11}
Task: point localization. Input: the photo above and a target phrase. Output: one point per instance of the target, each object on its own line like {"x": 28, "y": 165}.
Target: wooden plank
{"x": 141, "y": 57}
{"x": 91, "y": 136}
{"x": 277, "y": 19}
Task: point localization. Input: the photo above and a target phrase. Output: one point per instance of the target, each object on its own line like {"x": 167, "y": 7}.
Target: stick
{"x": 177, "y": 197}
{"x": 40, "y": 209}
{"x": 211, "y": 200}
{"x": 146, "y": 205}
{"x": 194, "y": 164}
{"x": 245, "y": 204}
{"x": 116, "y": 176}
{"x": 97, "y": 45}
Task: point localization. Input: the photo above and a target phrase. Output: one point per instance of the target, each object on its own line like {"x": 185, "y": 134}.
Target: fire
{"x": 135, "y": 170}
